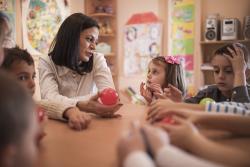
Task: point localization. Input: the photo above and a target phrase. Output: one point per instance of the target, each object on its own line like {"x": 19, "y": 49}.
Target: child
{"x": 149, "y": 147}
{"x": 165, "y": 79}
{"x": 229, "y": 64}
{"x": 21, "y": 64}
{"x": 18, "y": 128}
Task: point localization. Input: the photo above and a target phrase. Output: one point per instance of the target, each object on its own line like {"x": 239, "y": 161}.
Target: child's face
{"x": 25, "y": 74}
{"x": 223, "y": 73}
{"x": 156, "y": 74}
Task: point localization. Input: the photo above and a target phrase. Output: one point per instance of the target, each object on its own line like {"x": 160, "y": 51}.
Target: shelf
{"x": 101, "y": 15}
{"x": 224, "y": 42}
{"x": 106, "y": 35}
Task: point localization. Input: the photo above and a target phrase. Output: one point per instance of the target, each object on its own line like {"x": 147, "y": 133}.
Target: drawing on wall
{"x": 42, "y": 19}
{"x": 8, "y": 7}
{"x": 142, "y": 42}
{"x": 181, "y": 35}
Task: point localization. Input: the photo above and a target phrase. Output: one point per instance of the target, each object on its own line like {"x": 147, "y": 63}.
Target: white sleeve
{"x": 138, "y": 159}
{"x": 54, "y": 110}
{"x": 102, "y": 75}
{"x": 229, "y": 107}
{"x": 49, "y": 85}
{"x": 170, "y": 156}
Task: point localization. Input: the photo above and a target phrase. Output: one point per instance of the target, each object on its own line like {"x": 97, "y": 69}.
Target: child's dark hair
{"x": 224, "y": 50}
{"x": 16, "y": 107}
{"x": 174, "y": 74}
{"x": 16, "y": 55}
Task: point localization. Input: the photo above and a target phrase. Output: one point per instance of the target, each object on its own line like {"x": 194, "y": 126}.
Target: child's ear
{"x": 8, "y": 156}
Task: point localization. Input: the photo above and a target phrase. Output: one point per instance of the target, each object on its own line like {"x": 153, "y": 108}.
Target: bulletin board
{"x": 8, "y": 7}
{"x": 41, "y": 21}
{"x": 142, "y": 42}
{"x": 181, "y": 36}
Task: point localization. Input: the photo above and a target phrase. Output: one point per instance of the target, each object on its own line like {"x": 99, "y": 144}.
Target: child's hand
{"x": 157, "y": 90}
{"x": 156, "y": 138}
{"x": 146, "y": 93}
{"x": 159, "y": 106}
{"x": 192, "y": 116}
{"x": 237, "y": 59}
{"x": 173, "y": 93}
{"x": 76, "y": 119}
{"x": 181, "y": 134}
{"x": 130, "y": 142}
{"x": 238, "y": 64}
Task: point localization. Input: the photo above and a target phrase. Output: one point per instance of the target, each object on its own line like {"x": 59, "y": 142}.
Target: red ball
{"x": 109, "y": 96}
{"x": 168, "y": 120}
{"x": 40, "y": 114}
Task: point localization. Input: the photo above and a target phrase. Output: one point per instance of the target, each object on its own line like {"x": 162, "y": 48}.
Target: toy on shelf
{"x": 104, "y": 9}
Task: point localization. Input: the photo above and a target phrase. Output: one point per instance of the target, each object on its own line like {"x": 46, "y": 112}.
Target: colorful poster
{"x": 181, "y": 36}
{"x": 41, "y": 21}
{"x": 142, "y": 42}
{"x": 8, "y": 7}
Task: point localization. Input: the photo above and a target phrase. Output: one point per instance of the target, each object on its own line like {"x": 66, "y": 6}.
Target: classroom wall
{"x": 226, "y": 8}
{"x": 74, "y": 6}
{"x": 125, "y": 10}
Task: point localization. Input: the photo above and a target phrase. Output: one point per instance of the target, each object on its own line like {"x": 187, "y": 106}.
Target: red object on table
{"x": 168, "y": 120}
{"x": 40, "y": 114}
{"x": 109, "y": 96}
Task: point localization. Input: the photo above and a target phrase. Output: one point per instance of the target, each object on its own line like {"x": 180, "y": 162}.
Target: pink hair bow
{"x": 172, "y": 60}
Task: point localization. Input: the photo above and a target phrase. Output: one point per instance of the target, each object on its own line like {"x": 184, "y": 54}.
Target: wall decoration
{"x": 9, "y": 8}
{"x": 181, "y": 36}
{"x": 142, "y": 42}
{"x": 41, "y": 21}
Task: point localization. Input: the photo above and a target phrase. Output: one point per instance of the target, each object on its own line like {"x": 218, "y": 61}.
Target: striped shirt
{"x": 229, "y": 107}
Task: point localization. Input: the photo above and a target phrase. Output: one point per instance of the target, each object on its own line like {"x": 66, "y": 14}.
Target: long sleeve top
{"x": 61, "y": 84}
{"x": 239, "y": 94}
{"x": 168, "y": 156}
{"x": 229, "y": 107}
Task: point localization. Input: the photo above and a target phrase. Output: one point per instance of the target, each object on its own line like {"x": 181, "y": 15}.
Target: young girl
{"x": 165, "y": 79}
{"x": 21, "y": 64}
{"x": 229, "y": 64}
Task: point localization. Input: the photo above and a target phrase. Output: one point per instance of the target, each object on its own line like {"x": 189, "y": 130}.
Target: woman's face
{"x": 88, "y": 41}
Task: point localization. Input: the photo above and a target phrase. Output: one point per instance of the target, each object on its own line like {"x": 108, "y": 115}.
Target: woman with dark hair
{"x": 72, "y": 69}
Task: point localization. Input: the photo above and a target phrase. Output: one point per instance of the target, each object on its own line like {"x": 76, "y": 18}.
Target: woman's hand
{"x": 76, "y": 119}
{"x": 182, "y": 134}
{"x": 93, "y": 106}
{"x": 146, "y": 93}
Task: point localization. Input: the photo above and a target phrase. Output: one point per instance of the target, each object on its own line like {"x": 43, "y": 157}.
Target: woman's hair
{"x": 224, "y": 50}
{"x": 16, "y": 107}
{"x": 16, "y": 55}
{"x": 174, "y": 73}
{"x": 65, "y": 48}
